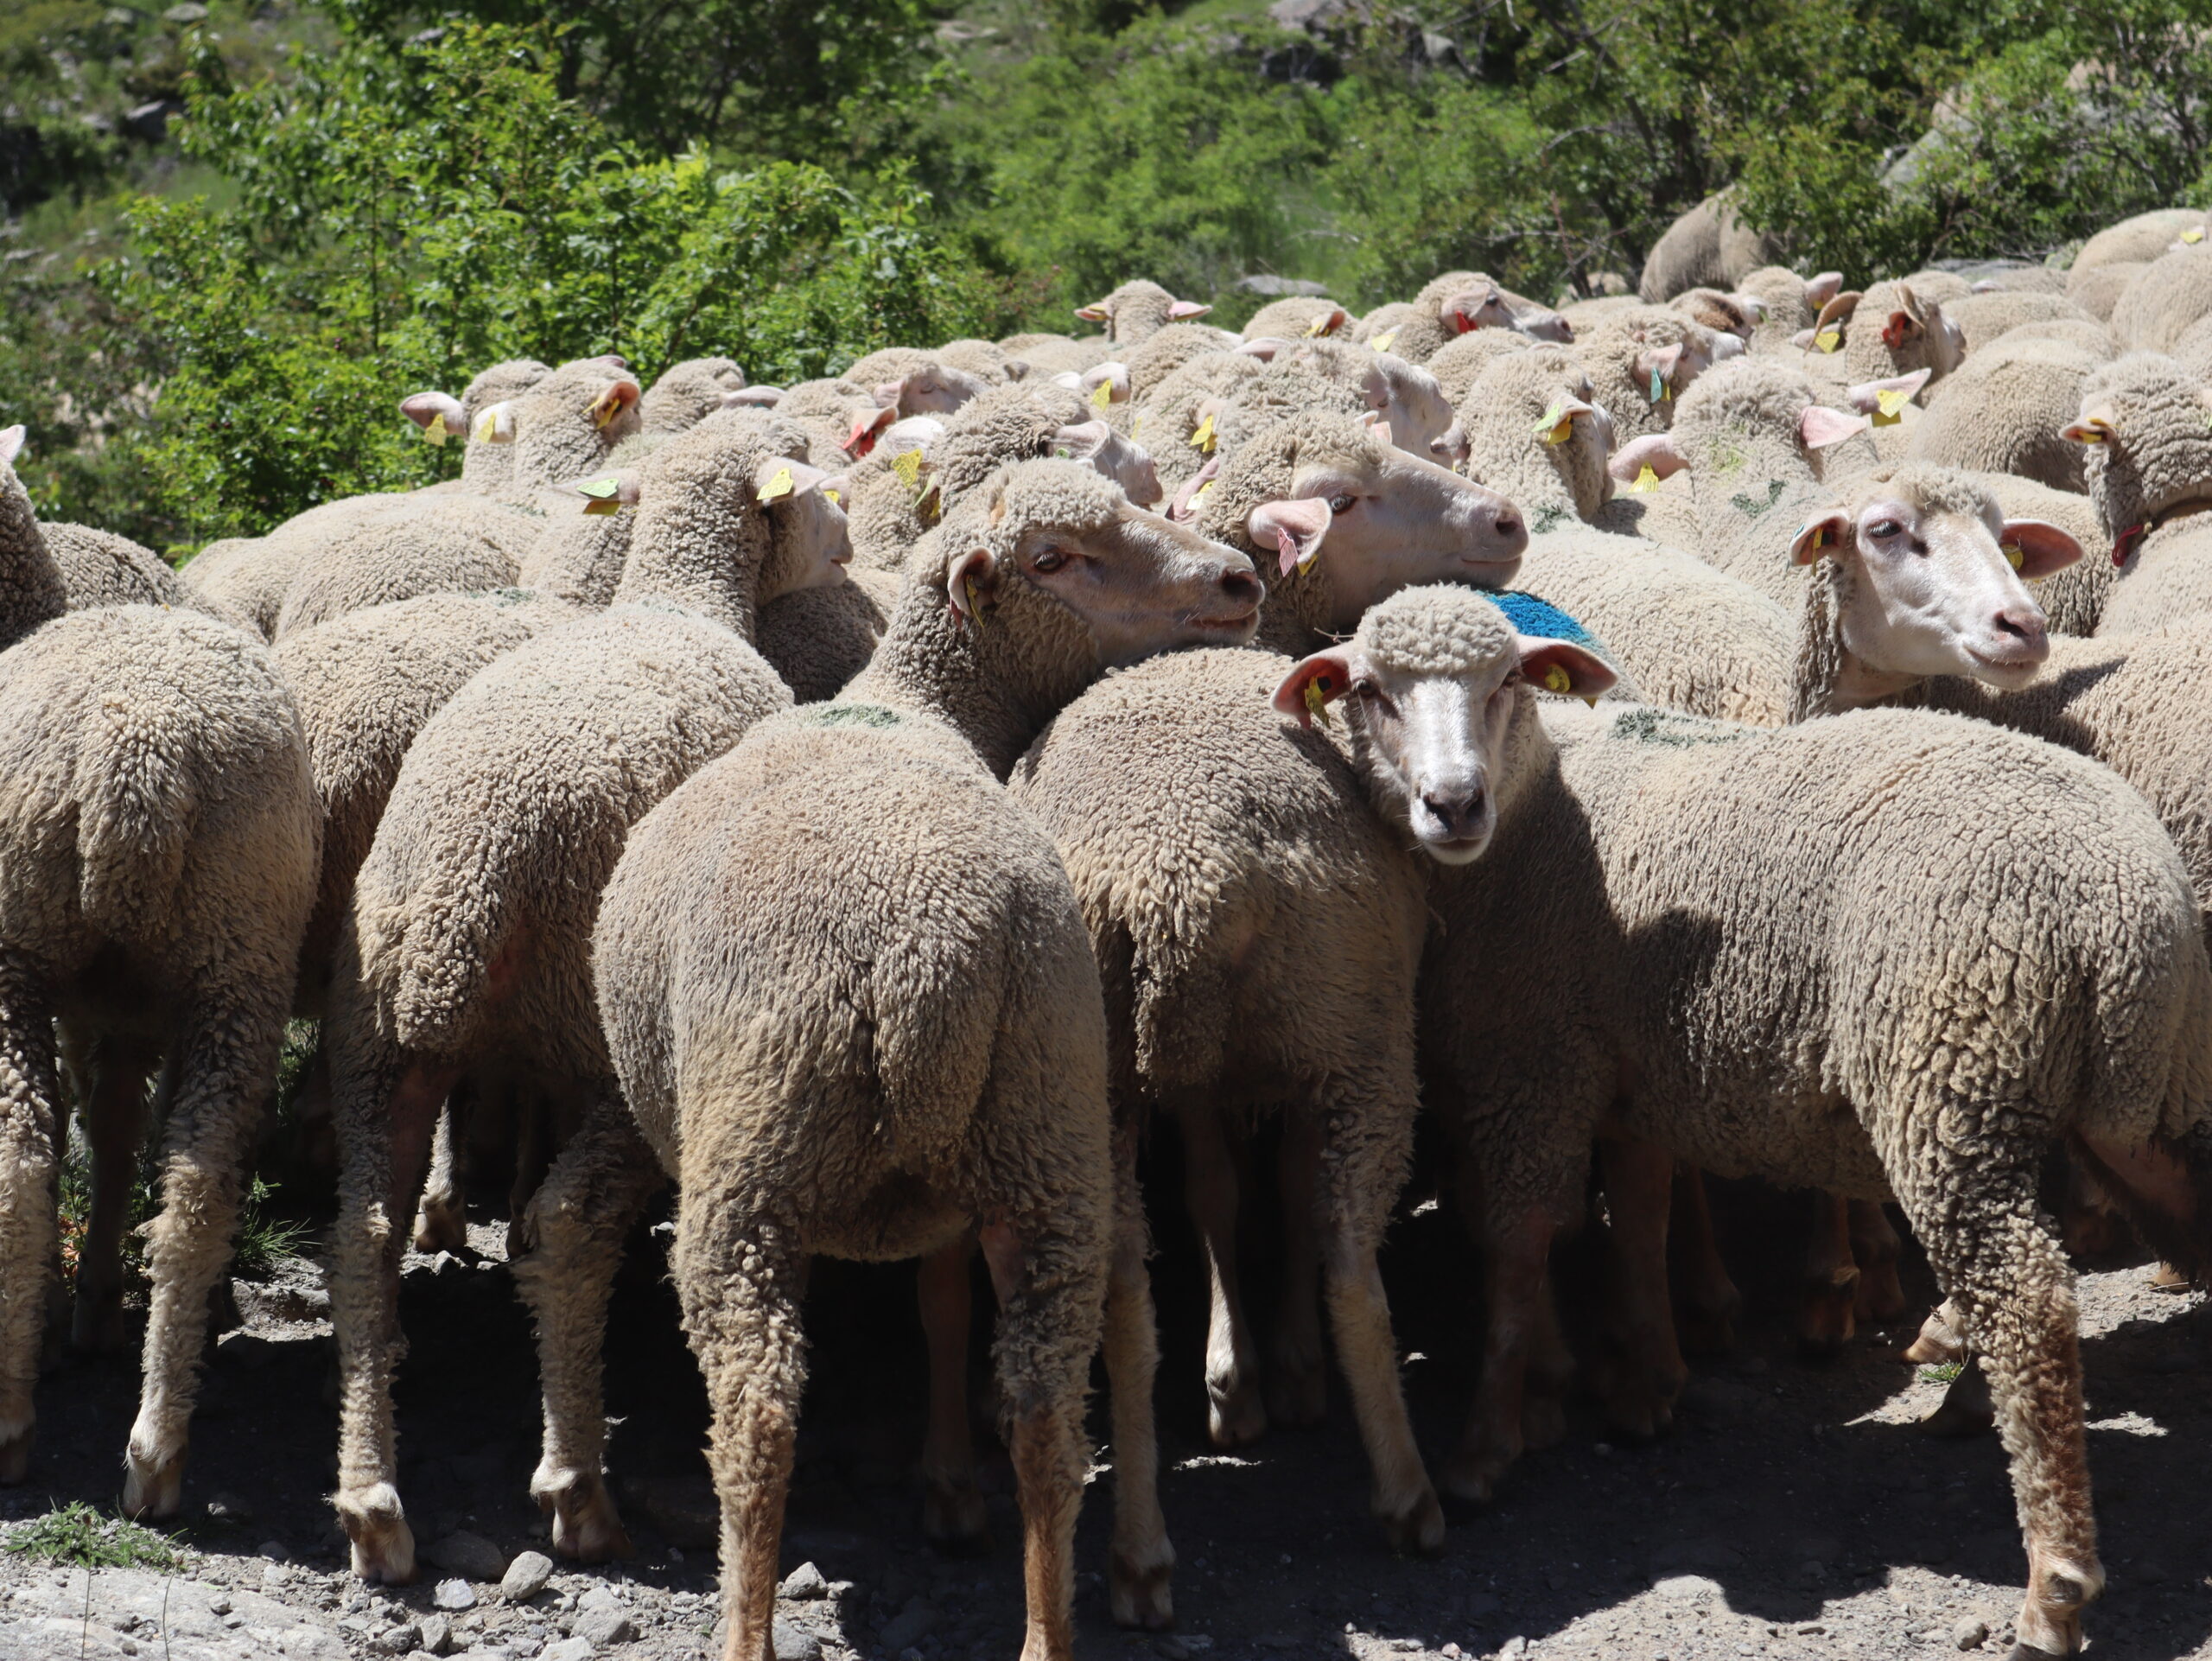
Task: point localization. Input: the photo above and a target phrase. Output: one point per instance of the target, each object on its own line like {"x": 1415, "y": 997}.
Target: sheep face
{"x": 2146, "y": 426}
{"x": 1139, "y": 583}
{"x": 1435, "y": 679}
{"x": 1420, "y": 416}
{"x": 1138, "y": 310}
{"x": 1932, "y": 584}
{"x": 807, "y": 544}
{"x": 1379, "y": 519}
{"x": 933, "y": 388}
{"x": 1113, "y": 456}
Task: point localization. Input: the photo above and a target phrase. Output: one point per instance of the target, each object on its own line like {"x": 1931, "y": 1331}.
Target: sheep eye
{"x": 1885, "y": 529}
{"x": 1048, "y": 562}
{"x": 1342, "y": 504}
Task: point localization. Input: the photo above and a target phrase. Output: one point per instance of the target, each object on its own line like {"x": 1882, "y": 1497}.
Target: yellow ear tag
{"x": 968, "y": 588}
{"x": 1199, "y": 495}
{"x": 1204, "y": 438}
{"x": 434, "y": 430}
{"x": 1317, "y": 702}
{"x": 2095, "y": 434}
{"x": 603, "y": 496}
{"x": 1819, "y": 536}
{"x": 1101, "y": 396}
{"x": 1828, "y": 339}
{"x": 605, "y": 411}
{"x": 1889, "y": 406}
{"x": 1556, "y": 679}
{"x": 1556, "y": 426}
{"x": 1385, "y": 340}
{"x": 2193, "y": 236}
{"x": 929, "y": 505}
{"x": 779, "y": 485}
{"x": 1318, "y": 326}
{"x": 2013, "y": 556}
{"x": 486, "y": 426}
{"x": 907, "y": 464}
{"x": 833, "y": 496}
{"x": 1645, "y": 479}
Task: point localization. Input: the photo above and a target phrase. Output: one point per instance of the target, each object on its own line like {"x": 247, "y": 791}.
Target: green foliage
{"x": 264, "y": 1241}
{"x": 80, "y": 1535}
{"x": 1944, "y": 1373}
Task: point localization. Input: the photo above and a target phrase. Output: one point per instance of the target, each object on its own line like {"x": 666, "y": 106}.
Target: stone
{"x": 273, "y": 1576}
{"x": 227, "y": 1507}
{"x": 526, "y": 1576}
{"x": 1971, "y": 1633}
{"x": 472, "y": 1555}
{"x": 186, "y": 14}
{"x": 566, "y": 1649}
{"x": 455, "y": 1595}
{"x": 276, "y": 1550}
{"x": 792, "y": 1642}
{"x": 803, "y": 1584}
{"x": 683, "y": 1509}
{"x": 400, "y": 1639}
{"x": 908, "y": 1627}
{"x": 601, "y": 1618}
{"x": 437, "y": 1634}
{"x": 1687, "y": 1587}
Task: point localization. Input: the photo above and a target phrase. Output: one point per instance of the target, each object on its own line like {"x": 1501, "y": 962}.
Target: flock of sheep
{"x": 857, "y": 806}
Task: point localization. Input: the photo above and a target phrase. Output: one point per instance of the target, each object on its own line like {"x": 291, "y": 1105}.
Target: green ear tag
{"x": 1658, "y": 386}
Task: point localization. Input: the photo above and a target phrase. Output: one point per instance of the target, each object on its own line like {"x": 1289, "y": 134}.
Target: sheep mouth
{"x": 1455, "y": 850}
{"x": 1239, "y": 624}
{"x": 2010, "y": 668}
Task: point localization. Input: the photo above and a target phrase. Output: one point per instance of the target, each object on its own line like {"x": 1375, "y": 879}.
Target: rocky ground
{"x": 1795, "y": 1512}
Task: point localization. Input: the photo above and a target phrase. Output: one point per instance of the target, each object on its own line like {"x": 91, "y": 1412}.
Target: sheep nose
{"x": 1452, "y": 446}
{"x": 1505, "y": 526}
{"x": 2025, "y": 625}
{"x": 1458, "y": 808}
{"x": 1244, "y": 588}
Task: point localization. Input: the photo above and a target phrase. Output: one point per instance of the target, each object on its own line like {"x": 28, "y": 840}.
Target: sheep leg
{"x": 741, "y": 1276}
{"x": 115, "y": 1120}
{"x": 1235, "y": 1414}
{"x": 1298, "y": 1372}
{"x": 1142, "y": 1560}
{"x": 1515, "y": 1249}
{"x": 1710, "y": 1301}
{"x": 1941, "y": 1337}
{"x": 1649, "y": 1374}
{"x": 29, "y": 1087}
{"x": 1875, "y": 1248}
{"x": 1367, "y": 1153}
{"x": 952, "y": 1511}
{"x": 2163, "y": 1188}
{"x": 385, "y": 1107}
{"x": 577, "y": 1225}
{"x": 530, "y": 1115}
{"x": 1824, "y": 1312}
{"x": 2015, "y": 1292}
{"x": 441, "y": 1219}
{"x": 1050, "y": 1284}
{"x": 225, "y": 1066}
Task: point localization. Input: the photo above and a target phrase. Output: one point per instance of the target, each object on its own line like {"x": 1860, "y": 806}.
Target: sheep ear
{"x": 1095, "y": 312}
{"x": 438, "y": 414}
{"x": 970, "y": 581}
{"x": 1183, "y": 310}
{"x": 610, "y": 492}
{"x": 1752, "y": 306}
{"x": 2098, "y": 427}
{"x": 1265, "y": 347}
{"x": 1868, "y": 398}
{"x": 1104, "y": 384}
{"x": 1329, "y": 321}
{"x": 1313, "y": 683}
{"x": 1655, "y": 367}
{"x": 1184, "y": 508}
{"x": 619, "y": 396}
{"x": 12, "y": 443}
{"x": 1820, "y": 426}
{"x": 888, "y": 393}
{"x": 1378, "y": 422}
{"x": 1822, "y": 288}
{"x": 1901, "y": 325}
{"x": 780, "y": 477}
{"x": 867, "y": 426}
{"x": 1563, "y": 666}
{"x": 1819, "y": 534}
{"x": 1803, "y": 339}
{"x": 495, "y": 423}
{"x": 753, "y": 398}
{"x": 1294, "y": 528}
{"x": 1081, "y": 443}
{"x": 1653, "y": 450}
{"x": 837, "y": 486}
{"x": 2042, "y": 547}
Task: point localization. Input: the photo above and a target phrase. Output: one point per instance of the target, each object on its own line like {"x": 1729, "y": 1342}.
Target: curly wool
{"x": 395, "y": 557}
{"x": 1782, "y": 292}
{"x": 2138, "y": 240}
{"x": 2167, "y": 296}
{"x": 1458, "y": 364}
{"x": 687, "y": 392}
{"x": 1279, "y": 394}
{"x": 2097, "y": 288}
{"x": 32, "y": 591}
{"x": 1983, "y": 318}
{"x": 1168, "y": 419}
{"x": 98, "y": 568}
{"x": 1500, "y": 414}
{"x": 2160, "y": 455}
{"x": 1135, "y": 312}
{"x": 2000, "y": 411}
{"x": 1166, "y": 350}
{"x": 1707, "y": 245}
{"x": 1293, "y": 317}
{"x": 489, "y": 469}
{"x": 1867, "y": 356}
{"x": 1609, "y": 352}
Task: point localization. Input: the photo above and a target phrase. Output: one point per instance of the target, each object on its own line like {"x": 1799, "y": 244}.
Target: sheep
{"x": 981, "y": 1039}
{"x": 1456, "y": 365}
{"x": 2137, "y": 240}
{"x": 1744, "y": 949}
{"x": 2193, "y": 351}
{"x": 1169, "y": 420}
{"x": 686, "y": 393}
{"x": 157, "y": 857}
{"x": 1687, "y": 634}
{"x": 837, "y": 414}
{"x": 1982, "y": 318}
{"x": 2086, "y": 333}
{"x": 1641, "y": 361}
{"x": 2097, "y": 288}
{"x": 1297, "y": 317}
{"x": 1166, "y": 350}
{"x": 1938, "y": 287}
{"x": 1404, "y": 395}
{"x": 1718, "y": 313}
{"x": 2013, "y": 276}
{"x": 469, "y": 935}
{"x": 2167, "y": 296}
{"x": 2146, "y": 428}
{"x": 1456, "y": 303}
{"x": 1277, "y": 846}
{"x": 1054, "y": 354}
{"x": 395, "y": 557}
{"x": 1892, "y": 329}
{"x": 1137, "y": 310}
{"x": 2002, "y": 412}
{"x": 99, "y": 567}
{"x": 486, "y": 468}
{"x": 1707, "y": 244}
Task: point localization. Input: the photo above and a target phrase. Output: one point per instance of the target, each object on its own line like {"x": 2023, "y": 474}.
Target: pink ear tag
{"x": 1288, "y": 548}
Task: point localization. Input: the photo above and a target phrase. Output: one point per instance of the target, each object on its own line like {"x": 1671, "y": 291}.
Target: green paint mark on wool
{"x": 1751, "y": 506}
{"x": 1675, "y": 730}
{"x": 850, "y": 715}
{"x": 1548, "y": 518}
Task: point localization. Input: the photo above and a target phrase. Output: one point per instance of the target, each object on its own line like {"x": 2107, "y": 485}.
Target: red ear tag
{"x": 2126, "y": 545}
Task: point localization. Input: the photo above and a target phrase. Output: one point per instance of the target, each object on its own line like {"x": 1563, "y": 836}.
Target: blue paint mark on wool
{"x": 1540, "y": 618}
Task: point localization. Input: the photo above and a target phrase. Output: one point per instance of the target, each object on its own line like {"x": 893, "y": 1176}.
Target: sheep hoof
{"x": 1235, "y": 1417}
{"x": 441, "y": 1225}
{"x": 1143, "y": 1596}
{"x": 383, "y": 1546}
{"x": 1881, "y": 1296}
{"x": 16, "y": 1458}
{"x": 1472, "y": 1474}
{"x": 1824, "y": 1319}
{"x": 585, "y": 1527}
{"x": 1967, "y": 1410}
{"x": 1938, "y": 1342}
{"x": 152, "y": 1487}
{"x": 954, "y": 1519}
{"x": 95, "y": 1325}
{"x": 1414, "y": 1530}
{"x": 1543, "y": 1422}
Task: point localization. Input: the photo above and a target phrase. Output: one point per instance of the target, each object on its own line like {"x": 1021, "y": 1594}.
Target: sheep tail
{"x": 137, "y": 803}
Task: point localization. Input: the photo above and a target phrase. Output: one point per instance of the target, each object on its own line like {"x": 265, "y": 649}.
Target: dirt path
{"x": 1795, "y": 1511}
